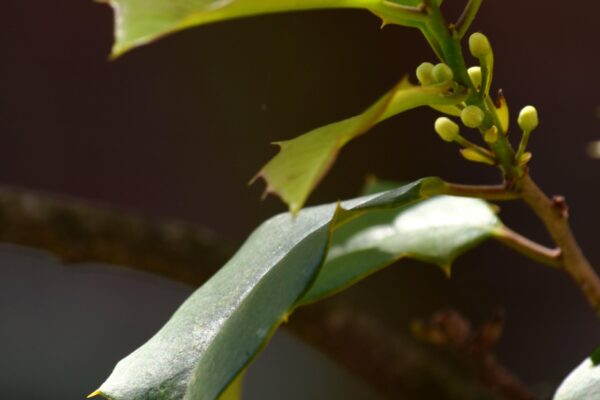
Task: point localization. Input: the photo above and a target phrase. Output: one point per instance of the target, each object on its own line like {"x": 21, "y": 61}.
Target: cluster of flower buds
{"x": 428, "y": 74}
{"x": 473, "y": 116}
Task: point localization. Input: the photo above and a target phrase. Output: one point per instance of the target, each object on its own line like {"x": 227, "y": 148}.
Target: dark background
{"x": 176, "y": 130}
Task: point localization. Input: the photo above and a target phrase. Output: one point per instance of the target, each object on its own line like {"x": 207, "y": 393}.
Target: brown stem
{"x": 529, "y": 248}
{"x": 486, "y": 192}
{"x": 554, "y": 215}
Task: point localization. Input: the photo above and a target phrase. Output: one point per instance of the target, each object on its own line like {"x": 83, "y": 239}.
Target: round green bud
{"x": 442, "y": 73}
{"x": 447, "y": 129}
{"x": 528, "y": 118}
{"x": 479, "y": 45}
{"x": 424, "y": 73}
{"x": 475, "y": 75}
{"x": 472, "y": 116}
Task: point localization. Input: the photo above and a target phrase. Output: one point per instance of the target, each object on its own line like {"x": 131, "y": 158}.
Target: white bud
{"x": 479, "y": 45}
{"x": 528, "y": 118}
{"x": 472, "y": 116}
{"x": 447, "y": 129}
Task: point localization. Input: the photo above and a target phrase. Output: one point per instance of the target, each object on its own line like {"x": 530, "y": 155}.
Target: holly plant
{"x": 308, "y": 254}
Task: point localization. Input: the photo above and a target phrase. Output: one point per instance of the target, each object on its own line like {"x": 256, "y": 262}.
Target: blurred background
{"x": 176, "y": 130}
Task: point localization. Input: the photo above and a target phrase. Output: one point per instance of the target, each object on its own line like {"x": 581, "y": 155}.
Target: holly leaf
{"x": 216, "y": 333}
{"x": 139, "y": 22}
{"x": 436, "y": 231}
{"x": 303, "y": 161}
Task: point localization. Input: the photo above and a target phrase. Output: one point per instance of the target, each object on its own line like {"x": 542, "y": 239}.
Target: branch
{"x": 486, "y": 192}
{"x": 450, "y": 330}
{"x": 78, "y": 232}
{"x": 395, "y": 365}
{"x": 529, "y": 248}
{"x": 554, "y": 214}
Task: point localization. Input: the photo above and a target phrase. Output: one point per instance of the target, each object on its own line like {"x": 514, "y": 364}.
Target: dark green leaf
{"x": 436, "y": 231}
{"x": 221, "y": 327}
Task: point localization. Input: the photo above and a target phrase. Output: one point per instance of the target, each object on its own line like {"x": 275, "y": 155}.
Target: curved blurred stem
{"x": 486, "y": 192}
{"x": 528, "y": 248}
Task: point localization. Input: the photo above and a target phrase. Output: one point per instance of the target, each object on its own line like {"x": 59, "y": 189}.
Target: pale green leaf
{"x": 582, "y": 383}
{"x": 221, "y": 327}
{"x": 303, "y": 161}
{"x": 138, "y": 22}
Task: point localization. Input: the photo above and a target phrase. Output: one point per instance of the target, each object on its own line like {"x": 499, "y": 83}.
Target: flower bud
{"x": 472, "y": 155}
{"x": 424, "y": 73}
{"x": 524, "y": 158}
{"x": 447, "y": 129}
{"x": 528, "y": 118}
{"x": 475, "y": 75}
{"x": 472, "y": 116}
{"x": 491, "y": 135}
{"x": 442, "y": 73}
{"x": 479, "y": 45}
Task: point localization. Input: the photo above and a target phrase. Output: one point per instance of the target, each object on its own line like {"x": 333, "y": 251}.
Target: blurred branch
{"x": 449, "y": 330}
{"x": 75, "y": 231}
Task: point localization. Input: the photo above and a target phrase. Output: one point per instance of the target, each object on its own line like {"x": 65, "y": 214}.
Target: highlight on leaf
{"x": 303, "y": 161}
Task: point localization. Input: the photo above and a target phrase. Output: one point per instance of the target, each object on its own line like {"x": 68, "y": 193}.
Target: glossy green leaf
{"x": 582, "y": 383}
{"x": 222, "y": 326}
{"x": 436, "y": 231}
{"x": 303, "y": 161}
{"x": 138, "y": 22}
{"x": 218, "y": 330}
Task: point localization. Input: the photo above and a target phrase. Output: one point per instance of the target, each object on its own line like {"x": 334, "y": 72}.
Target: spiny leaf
{"x": 138, "y": 22}
{"x": 221, "y": 327}
{"x": 436, "y": 231}
{"x": 303, "y": 161}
